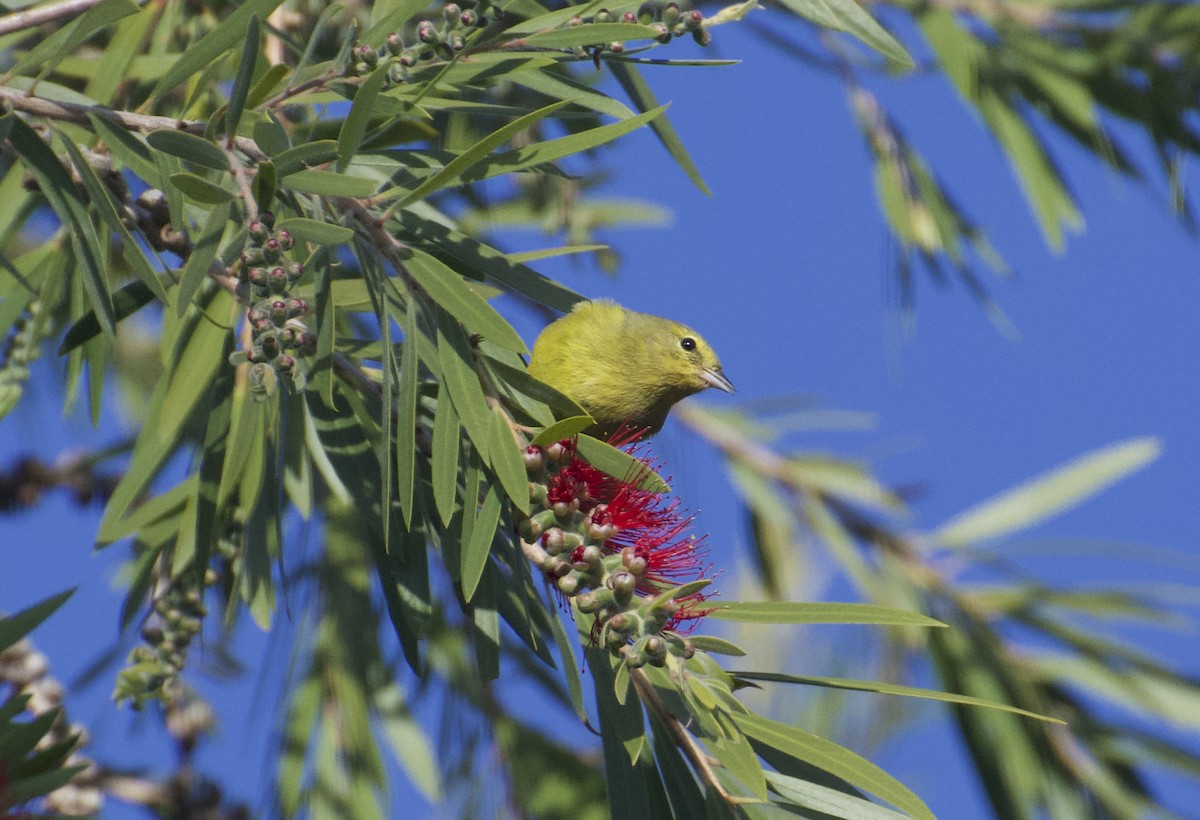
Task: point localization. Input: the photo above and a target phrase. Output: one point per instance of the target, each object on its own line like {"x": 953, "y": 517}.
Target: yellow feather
{"x": 623, "y": 367}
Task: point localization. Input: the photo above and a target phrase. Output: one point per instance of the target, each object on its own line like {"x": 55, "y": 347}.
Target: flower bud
{"x": 252, "y": 256}
{"x": 568, "y": 585}
{"x": 529, "y": 529}
{"x": 286, "y": 242}
{"x": 410, "y": 58}
{"x": 272, "y": 251}
{"x": 702, "y": 36}
{"x": 693, "y": 20}
{"x": 587, "y": 603}
{"x": 267, "y": 218}
{"x": 670, "y": 13}
{"x": 456, "y": 41}
{"x": 286, "y": 365}
{"x": 258, "y": 277}
{"x": 308, "y": 343}
{"x": 394, "y": 44}
{"x": 296, "y": 307}
{"x": 533, "y": 458}
{"x": 575, "y": 21}
{"x": 646, "y": 13}
{"x": 616, "y": 47}
{"x": 604, "y": 16}
{"x": 269, "y": 346}
{"x": 468, "y": 18}
{"x": 622, "y": 622}
{"x": 257, "y": 231}
{"x": 295, "y": 271}
{"x": 426, "y": 33}
{"x": 662, "y": 34}
{"x": 623, "y": 585}
{"x": 629, "y": 17}
{"x": 279, "y": 312}
{"x": 277, "y": 280}
{"x": 553, "y": 541}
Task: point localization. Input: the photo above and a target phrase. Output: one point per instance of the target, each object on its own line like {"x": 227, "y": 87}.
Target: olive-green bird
{"x": 626, "y": 369}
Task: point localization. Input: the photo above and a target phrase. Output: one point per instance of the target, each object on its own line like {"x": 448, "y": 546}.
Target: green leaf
{"x": 189, "y": 148}
{"x": 305, "y": 156}
{"x": 59, "y": 189}
{"x": 506, "y": 461}
{"x": 848, "y": 16}
{"x": 102, "y": 199}
{"x": 126, "y": 301}
{"x": 204, "y": 252}
{"x": 618, "y": 464}
{"x": 887, "y": 689}
{"x": 263, "y": 185}
{"x": 477, "y": 548}
{"x": 127, "y": 148}
{"x": 406, "y": 415}
{"x": 589, "y": 34}
{"x": 259, "y": 92}
{"x": 827, "y": 801}
{"x": 15, "y": 627}
{"x": 328, "y": 183}
{"x": 315, "y": 231}
{"x": 639, "y": 91}
{"x": 1062, "y": 488}
{"x": 448, "y": 289}
{"x": 713, "y": 644}
{"x": 245, "y": 75}
{"x": 354, "y": 127}
{"x": 445, "y": 457}
{"x": 834, "y": 759}
{"x": 52, "y": 49}
{"x": 213, "y": 45}
{"x": 460, "y": 379}
{"x": 454, "y": 170}
{"x": 789, "y": 612}
{"x": 563, "y": 429}
{"x": 200, "y": 189}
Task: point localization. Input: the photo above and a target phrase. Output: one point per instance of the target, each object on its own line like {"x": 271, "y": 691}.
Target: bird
{"x": 626, "y": 369}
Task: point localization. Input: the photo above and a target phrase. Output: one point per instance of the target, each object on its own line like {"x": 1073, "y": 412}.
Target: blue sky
{"x": 785, "y": 270}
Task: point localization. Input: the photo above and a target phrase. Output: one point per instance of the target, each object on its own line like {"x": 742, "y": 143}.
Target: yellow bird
{"x": 624, "y": 368}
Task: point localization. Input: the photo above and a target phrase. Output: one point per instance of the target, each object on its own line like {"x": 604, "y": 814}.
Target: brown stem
{"x": 21, "y": 20}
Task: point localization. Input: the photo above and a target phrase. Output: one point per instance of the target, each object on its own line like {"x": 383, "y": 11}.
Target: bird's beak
{"x": 716, "y": 378}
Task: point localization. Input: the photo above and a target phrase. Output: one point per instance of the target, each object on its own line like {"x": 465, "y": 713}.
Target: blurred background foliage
{"x": 156, "y": 154}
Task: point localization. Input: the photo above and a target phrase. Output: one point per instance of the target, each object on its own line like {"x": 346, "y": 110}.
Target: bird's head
{"x": 690, "y": 361}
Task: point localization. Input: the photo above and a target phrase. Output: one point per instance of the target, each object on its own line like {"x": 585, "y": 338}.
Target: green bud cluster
{"x": 669, "y": 21}
{"x": 433, "y": 40}
{"x": 155, "y": 664}
{"x": 20, "y": 352}
{"x": 274, "y": 314}
{"x": 571, "y": 548}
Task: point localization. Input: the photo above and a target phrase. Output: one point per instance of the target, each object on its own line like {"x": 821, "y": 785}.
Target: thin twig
{"x": 75, "y": 112}
{"x": 20, "y": 20}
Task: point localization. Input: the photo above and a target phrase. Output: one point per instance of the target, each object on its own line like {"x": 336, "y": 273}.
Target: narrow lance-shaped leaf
{"x": 241, "y": 83}
{"x": 1049, "y": 494}
{"x": 788, "y": 612}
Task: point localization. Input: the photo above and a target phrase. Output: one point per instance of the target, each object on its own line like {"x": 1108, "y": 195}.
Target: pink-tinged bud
{"x": 258, "y": 277}
{"x": 693, "y": 20}
{"x": 252, "y": 256}
{"x": 575, "y": 21}
{"x": 286, "y": 364}
{"x": 670, "y": 13}
{"x": 279, "y": 312}
{"x": 296, "y": 307}
{"x": 616, "y": 47}
{"x": 410, "y": 58}
{"x": 308, "y": 343}
{"x": 277, "y": 280}
{"x": 553, "y": 541}
{"x": 629, "y": 17}
{"x": 456, "y": 42}
{"x": 468, "y": 18}
{"x": 394, "y": 44}
{"x": 662, "y": 34}
{"x": 426, "y": 33}
{"x": 257, "y": 231}
{"x": 295, "y": 272}
{"x": 267, "y": 218}
{"x": 556, "y": 451}
{"x": 621, "y": 622}
{"x": 565, "y": 509}
{"x": 257, "y": 316}
{"x": 272, "y": 251}
{"x": 285, "y": 240}
{"x": 451, "y": 11}
{"x": 287, "y": 338}
{"x": 534, "y": 460}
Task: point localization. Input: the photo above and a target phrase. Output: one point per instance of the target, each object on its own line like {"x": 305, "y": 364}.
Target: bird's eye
{"x": 687, "y": 343}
